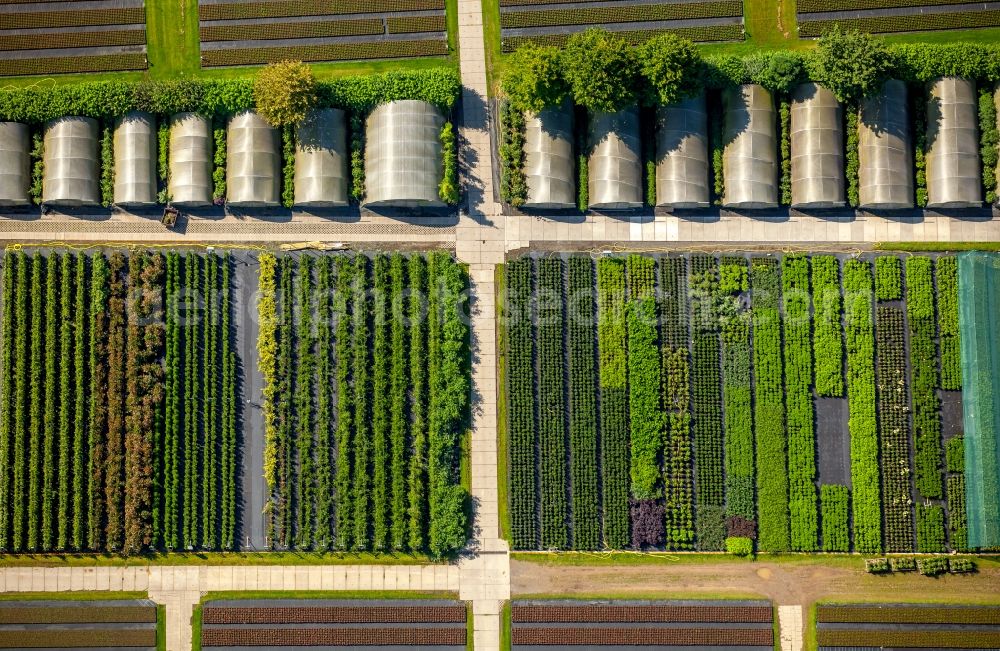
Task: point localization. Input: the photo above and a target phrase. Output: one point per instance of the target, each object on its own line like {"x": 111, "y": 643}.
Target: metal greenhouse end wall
{"x": 979, "y": 324}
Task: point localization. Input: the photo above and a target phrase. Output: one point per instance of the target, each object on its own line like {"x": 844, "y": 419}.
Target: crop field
{"x": 894, "y": 16}
{"x": 250, "y": 33}
{"x": 118, "y": 420}
{"x": 690, "y": 402}
{"x": 72, "y": 36}
{"x": 78, "y": 624}
{"x": 129, "y": 415}
{"x": 565, "y": 624}
{"x": 437, "y": 624}
{"x": 549, "y": 22}
{"x": 366, "y": 394}
{"x": 924, "y": 626}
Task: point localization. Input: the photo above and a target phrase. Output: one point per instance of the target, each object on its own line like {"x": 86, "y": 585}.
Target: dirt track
{"x": 786, "y": 582}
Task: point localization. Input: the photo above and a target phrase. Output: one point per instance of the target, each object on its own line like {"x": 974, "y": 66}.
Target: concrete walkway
{"x": 479, "y": 241}
{"x": 790, "y": 627}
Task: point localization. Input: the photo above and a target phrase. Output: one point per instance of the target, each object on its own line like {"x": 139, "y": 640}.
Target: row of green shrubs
{"x": 933, "y": 566}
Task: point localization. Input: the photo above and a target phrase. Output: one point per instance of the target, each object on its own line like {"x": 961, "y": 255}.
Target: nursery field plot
{"x": 924, "y": 626}
{"x": 895, "y": 16}
{"x": 549, "y": 22}
{"x": 72, "y": 36}
{"x": 433, "y": 624}
{"x": 78, "y": 624}
{"x": 244, "y": 32}
{"x": 556, "y": 625}
{"x": 364, "y": 364}
{"x": 702, "y": 402}
{"x": 119, "y": 422}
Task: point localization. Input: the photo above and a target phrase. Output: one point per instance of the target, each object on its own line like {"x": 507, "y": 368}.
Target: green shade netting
{"x": 979, "y": 326}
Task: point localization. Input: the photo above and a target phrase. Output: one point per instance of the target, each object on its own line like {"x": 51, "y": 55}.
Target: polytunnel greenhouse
{"x": 953, "y": 178}
{"x": 190, "y": 180}
{"x": 548, "y": 159}
{"x": 321, "y": 159}
{"x": 403, "y": 155}
{"x": 682, "y": 154}
{"x": 15, "y": 165}
{"x": 750, "y": 158}
{"x": 886, "y": 163}
{"x": 253, "y": 162}
{"x": 614, "y": 166}
{"x": 135, "y": 159}
{"x": 817, "y": 148}
{"x": 70, "y": 162}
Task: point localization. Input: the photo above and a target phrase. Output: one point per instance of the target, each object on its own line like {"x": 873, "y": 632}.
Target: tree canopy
{"x": 284, "y": 92}
{"x": 852, "y": 64}
{"x": 601, "y": 69}
{"x": 533, "y": 78}
{"x": 671, "y": 66}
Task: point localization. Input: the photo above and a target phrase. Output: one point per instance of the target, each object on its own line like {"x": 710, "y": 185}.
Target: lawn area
{"x": 172, "y": 38}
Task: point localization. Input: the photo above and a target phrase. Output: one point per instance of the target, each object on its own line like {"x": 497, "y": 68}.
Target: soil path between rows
{"x": 785, "y": 583}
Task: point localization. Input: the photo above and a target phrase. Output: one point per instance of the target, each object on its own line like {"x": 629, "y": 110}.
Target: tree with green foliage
{"x": 671, "y": 66}
{"x": 284, "y": 92}
{"x": 852, "y": 64}
{"x": 778, "y": 71}
{"x": 601, "y": 69}
{"x": 533, "y": 78}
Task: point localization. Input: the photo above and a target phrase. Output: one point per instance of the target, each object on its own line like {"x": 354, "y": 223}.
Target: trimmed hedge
{"x": 439, "y": 86}
{"x": 835, "y": 518}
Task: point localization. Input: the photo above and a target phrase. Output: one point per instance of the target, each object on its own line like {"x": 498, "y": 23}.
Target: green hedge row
{"x": 888, "y": 278}
{"x": 521, "y": 403}
{"x": 924, "y": 376}
{"x": 358, "y": 94}
{"x": 834, "y": 504}
{"x": 678, "y": 474}
{"x": 860, "y": 339}
{"x": 799, "y": 404}
{"x": 611, "y": 346}
{"x": 769, "y": 407}
{"x": 582, "y": 406}
{"x": 737, "y": 389}
{"x": 551, "y": 401}
{"x": 646, "y": 417}
{"x": 894, "y": 427}
{"x": 828, "y": 339}
{"x": 947, "y": 313}
{"x": 394, "y": 473}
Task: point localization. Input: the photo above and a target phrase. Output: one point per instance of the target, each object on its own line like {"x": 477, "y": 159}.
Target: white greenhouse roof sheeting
{"x": 682, "y": 154}
{"x": 615, "y": 165}
{"x": 817, "y": 141}
{"x": 549, "y": 169}
{"x": 750, "y": 158}
{"x": 15, "y": 164}
{"x": 885, "y": 177}
{"x": 70, "y": 177}
{"x": 190, "y": 160}
{"x": 253, "y": 162}
{"x": 953, "y": 175}
{"x": 135, "y": 159}
{"x": 403, "y": 166}
{"x": 321, "y": 159}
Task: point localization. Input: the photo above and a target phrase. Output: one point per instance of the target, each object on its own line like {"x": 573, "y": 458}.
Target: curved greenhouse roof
{"x": 614, "y": 165}
{"x": 135, "y": 159}
{"x": 15, "y": 164}
{"x": 817, "y": 141}
{"x": 953, "y": 176}
{"x": 750, "y": 158}
{"x": 549, "y": 168}
{"x": 70, "y": 177}
{"x": 190, "y": 160}
{"x": 885, "y": 177}
{"x": 403, "y": 166}
{"x": 253, "y": 162}
{"x": 682, "y": 154}
{"x": 321, "y": 159}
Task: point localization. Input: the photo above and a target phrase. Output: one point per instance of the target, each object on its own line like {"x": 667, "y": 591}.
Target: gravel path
{"x": 787, "y": 582}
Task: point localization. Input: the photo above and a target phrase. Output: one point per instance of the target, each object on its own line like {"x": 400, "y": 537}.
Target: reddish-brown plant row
{"x": 335, "y": 615}
{"x": 737, "y": 614}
